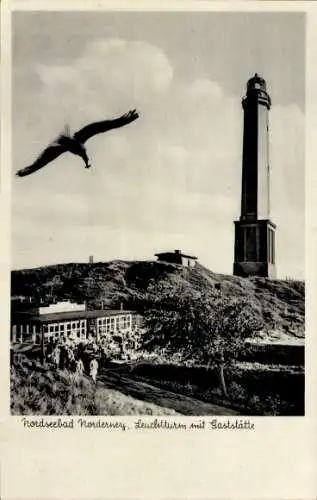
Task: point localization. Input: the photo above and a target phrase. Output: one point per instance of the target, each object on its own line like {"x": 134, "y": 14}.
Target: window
{"x": 271, "y": 246}
{"x": 124, "y": 322}
{"x": 106, "y": 327}
{"x": 250, "y": 244}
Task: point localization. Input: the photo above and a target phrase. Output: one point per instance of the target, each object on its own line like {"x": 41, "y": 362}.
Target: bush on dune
{"x": 35, "y": 393}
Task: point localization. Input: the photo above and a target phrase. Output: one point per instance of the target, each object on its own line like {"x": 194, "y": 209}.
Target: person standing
{"x": 71, "y": 359}
{"x": 56, "y": 357}
{"x": 93, "y": 369}
{"x": 79, "y": 367}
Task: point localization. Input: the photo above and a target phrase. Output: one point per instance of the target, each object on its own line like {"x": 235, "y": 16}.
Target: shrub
{"x": 50, "y": 393}
{"x": 237, "y": 392}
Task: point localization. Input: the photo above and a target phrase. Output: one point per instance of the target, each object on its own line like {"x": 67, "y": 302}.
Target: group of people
{"x": 73, "y": 357}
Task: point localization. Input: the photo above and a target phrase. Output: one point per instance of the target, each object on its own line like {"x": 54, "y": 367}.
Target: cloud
{"x": 109, "y": 75}
{"x": 170, "y": 179}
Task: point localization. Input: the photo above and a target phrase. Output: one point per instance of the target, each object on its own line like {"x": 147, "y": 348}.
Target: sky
{"x": 171, "y": 179}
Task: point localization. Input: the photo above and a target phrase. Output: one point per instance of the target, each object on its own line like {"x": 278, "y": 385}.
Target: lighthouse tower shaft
{"x": 254, "y": 232}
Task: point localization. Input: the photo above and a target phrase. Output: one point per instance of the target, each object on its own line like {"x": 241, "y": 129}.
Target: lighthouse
{"x": 254, "y": 249}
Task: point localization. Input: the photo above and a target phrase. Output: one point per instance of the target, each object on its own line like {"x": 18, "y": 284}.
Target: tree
{"x": 205, "y": 328}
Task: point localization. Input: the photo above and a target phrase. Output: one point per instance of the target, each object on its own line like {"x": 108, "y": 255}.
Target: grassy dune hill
{"x": 281, "y": 302}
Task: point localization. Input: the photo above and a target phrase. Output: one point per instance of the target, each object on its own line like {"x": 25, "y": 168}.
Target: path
{"x": 145, "y": 391}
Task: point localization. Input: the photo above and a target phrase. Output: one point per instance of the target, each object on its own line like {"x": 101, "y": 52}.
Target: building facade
{"x": 254, "y": 250}
{"x": 68, "y": 320}
{"x": 177, "y": 257}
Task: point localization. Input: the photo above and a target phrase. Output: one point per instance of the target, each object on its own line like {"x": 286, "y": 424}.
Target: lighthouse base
{"x": 254, "y": 253}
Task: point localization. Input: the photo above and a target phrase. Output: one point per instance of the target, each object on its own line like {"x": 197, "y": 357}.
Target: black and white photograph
{"x": 158, "y": 213}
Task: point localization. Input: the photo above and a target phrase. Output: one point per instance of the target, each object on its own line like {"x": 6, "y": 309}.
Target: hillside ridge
{"x": 108, "y": 284}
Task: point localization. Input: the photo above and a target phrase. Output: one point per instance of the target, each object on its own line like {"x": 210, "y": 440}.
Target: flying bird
{"x": 66, "y": 142}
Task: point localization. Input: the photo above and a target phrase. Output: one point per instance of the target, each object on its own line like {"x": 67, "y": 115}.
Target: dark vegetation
{"x": 252, "y": 390}
{"x": 274, "y": 354}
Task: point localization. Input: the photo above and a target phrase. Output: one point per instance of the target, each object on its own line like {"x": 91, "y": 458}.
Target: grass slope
{"x": 45, "y": 392}
{"x": 281, "y": 302}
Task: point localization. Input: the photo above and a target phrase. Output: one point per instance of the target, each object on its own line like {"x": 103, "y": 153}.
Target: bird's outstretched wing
{"x": 99, "y": 127}
{"x": 49, "y": 154}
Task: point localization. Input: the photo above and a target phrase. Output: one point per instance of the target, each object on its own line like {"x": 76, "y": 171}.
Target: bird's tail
{"x": 66, "y": 131}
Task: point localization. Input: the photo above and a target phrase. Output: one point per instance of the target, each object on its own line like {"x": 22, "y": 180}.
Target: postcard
{"x": 158, "y": 259}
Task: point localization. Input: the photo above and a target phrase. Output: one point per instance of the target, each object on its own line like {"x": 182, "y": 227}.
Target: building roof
{"x": 68, "y": 315}
{"x": 175, "y": 252}
{"x": 256, "y": 79}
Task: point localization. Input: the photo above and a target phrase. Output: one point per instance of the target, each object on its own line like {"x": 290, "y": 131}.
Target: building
{"x": 176, "y": 257}
{"x": 65, "y": 319}
{"x": 254, "y": 249}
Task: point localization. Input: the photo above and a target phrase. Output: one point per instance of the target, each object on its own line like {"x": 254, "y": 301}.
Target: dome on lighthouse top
{"x": 256, "y": 83}
{"x": 256, "y": 92}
